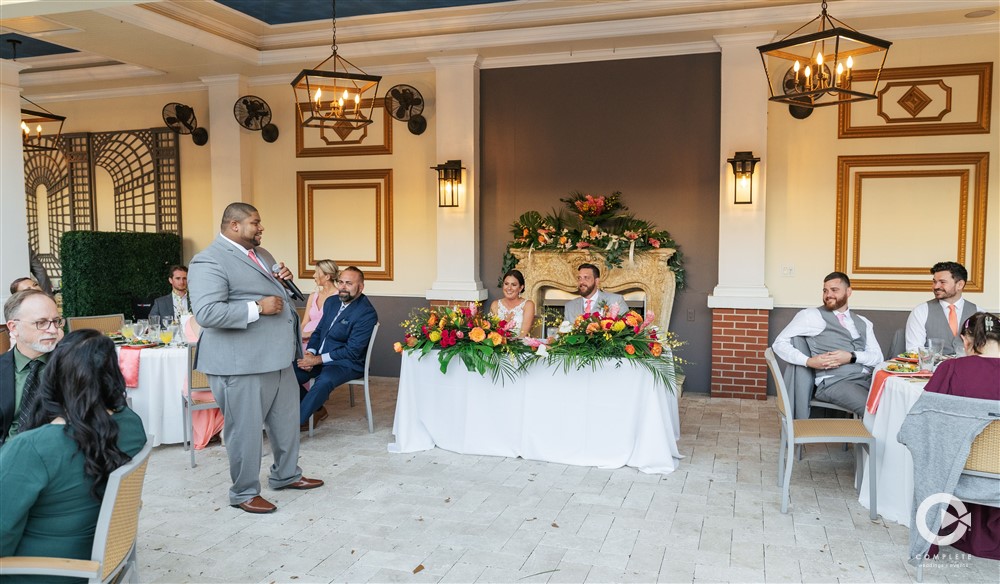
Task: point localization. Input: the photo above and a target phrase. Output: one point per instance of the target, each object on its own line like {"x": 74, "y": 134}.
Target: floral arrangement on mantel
{"x": 596, "y": 224}
{"x": 596, "y": 339}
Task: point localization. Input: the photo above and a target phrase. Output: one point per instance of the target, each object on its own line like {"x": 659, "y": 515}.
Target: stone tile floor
{"x": 437, "y": 516}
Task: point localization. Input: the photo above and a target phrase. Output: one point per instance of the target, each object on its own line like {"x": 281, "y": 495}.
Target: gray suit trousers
{"x": 249, "y": 402}
{"x": 849, "y": 392}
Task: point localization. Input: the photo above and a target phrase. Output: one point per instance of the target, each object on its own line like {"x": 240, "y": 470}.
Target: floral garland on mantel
{"x": 595, "y": 224}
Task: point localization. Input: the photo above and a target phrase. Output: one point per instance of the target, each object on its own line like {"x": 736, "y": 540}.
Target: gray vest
{"x": 937, "y": 325}
{"x": 835, "y": 337}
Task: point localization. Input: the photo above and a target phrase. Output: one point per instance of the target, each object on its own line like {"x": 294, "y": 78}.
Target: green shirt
{"x": 20, "y": 376}
{"x": 46, "y": 508}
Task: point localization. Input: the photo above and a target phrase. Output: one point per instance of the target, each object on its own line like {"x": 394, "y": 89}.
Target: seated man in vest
{"x": 35, "y": 327}
{"x": 178, "y": 302}
{"x": 941, "y": 317}
{"x": 842, "y": 346}
{"x": 337, "y": 348}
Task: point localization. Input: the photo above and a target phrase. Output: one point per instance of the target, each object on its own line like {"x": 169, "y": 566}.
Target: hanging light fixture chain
{"x": 333, "y": 43}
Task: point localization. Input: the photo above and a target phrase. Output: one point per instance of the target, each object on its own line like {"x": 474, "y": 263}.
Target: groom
{"x": 592, "y": 298}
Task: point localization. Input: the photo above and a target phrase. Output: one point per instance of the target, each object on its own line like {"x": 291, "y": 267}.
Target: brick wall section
{"x": 739, "y": 338}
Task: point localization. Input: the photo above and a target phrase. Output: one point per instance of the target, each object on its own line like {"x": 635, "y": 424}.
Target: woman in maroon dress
{"x": 976, "y": 375}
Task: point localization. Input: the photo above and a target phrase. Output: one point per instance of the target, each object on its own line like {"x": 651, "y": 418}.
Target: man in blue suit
{"x": 336, "y": 350}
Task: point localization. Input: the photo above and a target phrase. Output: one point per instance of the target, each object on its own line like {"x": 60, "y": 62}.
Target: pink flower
{"x": 582, "y": 245}
{"x": 654, "y": 242}
{"x": 460, "y": 334}
{"x": 613, "y": 313}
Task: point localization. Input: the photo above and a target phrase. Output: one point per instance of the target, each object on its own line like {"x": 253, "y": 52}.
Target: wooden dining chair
{"x": 106, "y": 323}
{"x": 113, "y": 554}
{"x": 814, "y": 431}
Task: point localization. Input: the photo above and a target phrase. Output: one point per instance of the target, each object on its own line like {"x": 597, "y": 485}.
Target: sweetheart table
{"x": 608, "y": 418}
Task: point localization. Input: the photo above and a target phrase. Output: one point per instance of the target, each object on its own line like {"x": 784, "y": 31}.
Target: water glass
{"x": 927, "y": 358}
{"x": 128, "y": 330}
{"x": 935, "y": 345}
{"x": 154, "y": 333}
{"x": 154, "y": 321}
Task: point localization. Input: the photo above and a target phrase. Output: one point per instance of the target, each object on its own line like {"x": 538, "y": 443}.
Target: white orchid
{"x": 565, "y": 327}
{"x": 542, "y": 351}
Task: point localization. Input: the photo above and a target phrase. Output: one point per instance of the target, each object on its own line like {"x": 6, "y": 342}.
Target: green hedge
{"x": 102, "y": 271}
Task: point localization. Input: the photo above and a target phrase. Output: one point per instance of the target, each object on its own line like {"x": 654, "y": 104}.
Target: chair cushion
{"x": 830, "y": 427}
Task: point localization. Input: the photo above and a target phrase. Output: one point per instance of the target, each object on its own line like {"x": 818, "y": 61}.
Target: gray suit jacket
{"x": 223, "y": 280}
{"x": 574, "y": 308}
{"x": 164, "y": 305}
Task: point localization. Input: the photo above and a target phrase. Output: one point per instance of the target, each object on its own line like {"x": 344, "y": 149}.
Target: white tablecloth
{"x": 607, "y": 418}
{"x": 157, "y": 399}
{"x": 893, "y": 465}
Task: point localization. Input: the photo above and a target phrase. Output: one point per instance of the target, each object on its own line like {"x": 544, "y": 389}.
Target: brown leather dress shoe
{"x": 302, "y": 484}
{"x": 257, "y": 505}
{"x": 318, "y": 416}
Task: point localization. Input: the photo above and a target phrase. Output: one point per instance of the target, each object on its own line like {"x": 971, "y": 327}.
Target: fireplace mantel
{"x": 648, "y": 272}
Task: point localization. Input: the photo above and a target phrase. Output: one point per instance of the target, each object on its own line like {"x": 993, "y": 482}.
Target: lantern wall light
{"x": 743, "y": 164}
{"x": 449, "y": 178}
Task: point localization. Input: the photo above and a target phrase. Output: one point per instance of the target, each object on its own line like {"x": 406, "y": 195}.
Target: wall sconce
{"x": 449, "y": 177}
{"x": 743, "y": 165}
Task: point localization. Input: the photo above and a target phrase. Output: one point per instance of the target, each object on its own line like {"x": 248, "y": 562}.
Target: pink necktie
{"x": 953, "y": 320}
{"x": 587, "y": 307}
{"x": 842, "y": 318}
{"x": 253, "y": 256}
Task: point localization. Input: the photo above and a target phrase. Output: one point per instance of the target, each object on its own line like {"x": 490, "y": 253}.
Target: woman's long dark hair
{"x": 80, "y": 383}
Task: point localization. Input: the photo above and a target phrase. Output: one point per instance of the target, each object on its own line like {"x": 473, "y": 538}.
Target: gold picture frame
{"x": 324, "y": 199}
{"x": 965, "y": 173}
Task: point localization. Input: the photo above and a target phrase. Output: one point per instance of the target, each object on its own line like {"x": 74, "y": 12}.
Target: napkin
{"x": 128, "y": 362}
{"x": 878, "y": 384}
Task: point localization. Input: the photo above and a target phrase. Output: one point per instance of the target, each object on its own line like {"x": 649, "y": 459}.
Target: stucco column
{"x": 740, "y": 301}
{"x": 232, "y": 174}
{"x": 457, "y": 114}
{"x": 13, "y": 206}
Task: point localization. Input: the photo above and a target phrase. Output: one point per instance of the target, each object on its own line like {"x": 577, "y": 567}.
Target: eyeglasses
{"x": 45, "y": 324}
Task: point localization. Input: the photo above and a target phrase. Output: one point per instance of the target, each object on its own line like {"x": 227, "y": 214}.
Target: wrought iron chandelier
{"x": 823, "y": 63}
{"x": 339, "y": 98}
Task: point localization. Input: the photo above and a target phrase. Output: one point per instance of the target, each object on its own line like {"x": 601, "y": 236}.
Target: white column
{"x": 743, "y": 127}
{"x": 457, "y": 112}
{"x": 232, "y": 174}
{"x": 13, "y": 209}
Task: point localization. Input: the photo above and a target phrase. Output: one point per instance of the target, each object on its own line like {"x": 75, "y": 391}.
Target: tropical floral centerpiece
{"x": 481, "y": 340}
{"x": 485, "y": 343}
{"x": 595, "y": 223}
{"x": 606, "y": 337}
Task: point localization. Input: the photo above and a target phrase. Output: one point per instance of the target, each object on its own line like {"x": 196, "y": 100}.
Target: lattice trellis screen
{"x": 144, "y": 166}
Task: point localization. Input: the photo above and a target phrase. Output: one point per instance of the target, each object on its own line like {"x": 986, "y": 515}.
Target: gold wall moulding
{"x": 955, "y": 182}
{"x": 324, "y": 199}
{"x": 954, "y": 99}
{"x": 377, "y": 137}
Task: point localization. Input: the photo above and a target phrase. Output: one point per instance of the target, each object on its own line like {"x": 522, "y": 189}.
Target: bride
{"x": 513, "y": 308}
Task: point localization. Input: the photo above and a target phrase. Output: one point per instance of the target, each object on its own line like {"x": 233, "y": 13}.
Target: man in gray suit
{"x": 248, "y": 342}
{"x": 178, "y": 302}
{"x": 592, "y": 298}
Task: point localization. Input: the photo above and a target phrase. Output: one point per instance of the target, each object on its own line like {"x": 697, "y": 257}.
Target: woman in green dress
{"x": 54, "y": 471}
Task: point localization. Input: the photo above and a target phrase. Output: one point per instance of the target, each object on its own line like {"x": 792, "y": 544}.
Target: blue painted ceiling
{"x": 29, "y": 47}
{"x": 287, "y": 11}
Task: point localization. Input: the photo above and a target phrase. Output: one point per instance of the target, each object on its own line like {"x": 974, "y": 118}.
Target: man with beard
{"x": 592, "y": 298}
{"x": 178, "y": 302}
{"x": 336, "y": 350}
{"x": 249, "y": 338}
{"x": 842, "y": 346}
{"x": 940, "y": 318}
{"x": 35, "y": 327}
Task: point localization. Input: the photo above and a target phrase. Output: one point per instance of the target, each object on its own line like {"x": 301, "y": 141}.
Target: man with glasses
{"x": 35, "y": 327}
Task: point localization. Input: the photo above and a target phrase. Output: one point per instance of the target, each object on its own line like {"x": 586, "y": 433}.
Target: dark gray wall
{"x": 646, "y": 127}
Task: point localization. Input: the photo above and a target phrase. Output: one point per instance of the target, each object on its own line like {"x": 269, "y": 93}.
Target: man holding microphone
{"x": 248, "y": 342}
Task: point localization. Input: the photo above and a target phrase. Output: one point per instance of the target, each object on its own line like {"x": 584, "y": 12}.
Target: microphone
{"x": 290, "y": 285}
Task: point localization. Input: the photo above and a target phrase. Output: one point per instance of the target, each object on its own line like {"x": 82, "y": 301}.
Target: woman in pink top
{"x": 325, "y": 277}
{"x": 977, "y": 376}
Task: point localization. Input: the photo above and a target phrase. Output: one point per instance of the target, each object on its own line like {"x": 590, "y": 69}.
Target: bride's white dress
{"x": 515, "y": 314}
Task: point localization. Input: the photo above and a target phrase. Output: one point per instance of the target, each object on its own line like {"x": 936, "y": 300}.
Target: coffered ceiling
{"x": 79, "y": 49}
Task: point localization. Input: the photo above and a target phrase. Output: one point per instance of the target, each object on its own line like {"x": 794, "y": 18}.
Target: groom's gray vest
{"x": 835, "y": 337}
{"x": 937, "y": 326}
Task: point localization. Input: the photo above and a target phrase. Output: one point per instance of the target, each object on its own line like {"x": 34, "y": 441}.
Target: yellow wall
{"x": 802, "y": 187}
{"x": 274, "y": 168}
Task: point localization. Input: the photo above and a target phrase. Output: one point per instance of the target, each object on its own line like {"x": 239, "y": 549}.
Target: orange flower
{"x": 398, "y": 347}
{"x": 486, "y": 324}
{"x": 593, "y": 328}
{"x": 432, "y": 319}
{"x": 477, "y": 335}
{"x": 630, "y": 349}
{"x": 525, "y": 234}
{"x": 496, "y": 338}
{"x": 632, "y": 319}
{"x": 411, "y": 341}
{"x": 655, "y": 349}
{"x": 606, "y": 323}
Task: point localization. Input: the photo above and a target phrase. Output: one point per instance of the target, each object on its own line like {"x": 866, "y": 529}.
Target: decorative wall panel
{"x": 922, "y": 101}
{"x": 375, "y": 138}
{"x": 897, "y": 215}
{"x": 346, "y": 216}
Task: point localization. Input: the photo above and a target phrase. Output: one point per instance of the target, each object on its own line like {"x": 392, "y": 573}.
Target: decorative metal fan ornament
{"x": 404, "y": 103}
{"x": 253, "y": 113}
{"x": 181, "y": 119}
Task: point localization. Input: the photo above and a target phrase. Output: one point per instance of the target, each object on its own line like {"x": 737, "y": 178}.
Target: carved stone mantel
{"x": 648, "y": 272}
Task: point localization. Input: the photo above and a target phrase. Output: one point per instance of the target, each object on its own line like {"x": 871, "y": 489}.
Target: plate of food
{"x": 896, "y": 367}
{"x": 141, "y": 344}
{"x": 907, "y": 357}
